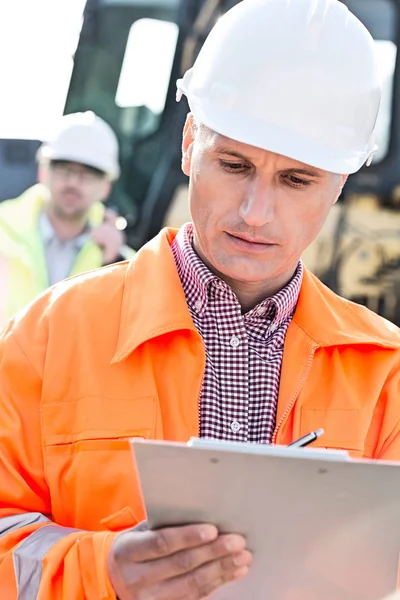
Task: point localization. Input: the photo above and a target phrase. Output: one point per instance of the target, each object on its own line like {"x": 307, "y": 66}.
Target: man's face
{"x": 73, "y": 187}
{"x": 254, "y": 212}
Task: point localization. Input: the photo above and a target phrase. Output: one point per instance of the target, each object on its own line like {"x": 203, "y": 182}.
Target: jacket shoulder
{"x": 378, "y": 324}
{"x": 11, "y": 208}
{"x": 355, "y": 320}
{"x": 88, "y": 297}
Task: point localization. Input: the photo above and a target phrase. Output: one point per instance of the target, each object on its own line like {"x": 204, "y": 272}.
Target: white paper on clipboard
{"x": 320, "y": 528}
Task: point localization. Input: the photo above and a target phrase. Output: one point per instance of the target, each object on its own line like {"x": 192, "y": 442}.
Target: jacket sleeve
{"x": 38, "y": 558}
{"x": 387, "y": 417}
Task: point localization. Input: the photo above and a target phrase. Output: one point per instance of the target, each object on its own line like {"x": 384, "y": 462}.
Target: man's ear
{"x": 187, "y": 143}
{"x": 43, "y": 173}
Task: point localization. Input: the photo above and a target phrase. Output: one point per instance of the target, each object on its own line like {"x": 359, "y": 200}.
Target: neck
{"x": 249, "y": 294}
{"x": 66, "y": 229}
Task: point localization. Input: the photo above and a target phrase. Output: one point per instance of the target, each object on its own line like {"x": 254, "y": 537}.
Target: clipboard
{"x": 320, "y": 526}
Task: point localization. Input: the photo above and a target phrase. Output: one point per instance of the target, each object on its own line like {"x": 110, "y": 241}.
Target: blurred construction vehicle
{"x": 130, "y": 54}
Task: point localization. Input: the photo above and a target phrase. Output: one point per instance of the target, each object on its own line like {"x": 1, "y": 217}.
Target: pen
{"x": 307, "y": 439}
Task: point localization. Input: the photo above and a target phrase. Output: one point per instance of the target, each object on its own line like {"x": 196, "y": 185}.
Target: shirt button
{"x": 260, "y": 311}
{"x": 234, "y": 341}
{"x": 236, "y": 426}
{"x": 198, "y": 305}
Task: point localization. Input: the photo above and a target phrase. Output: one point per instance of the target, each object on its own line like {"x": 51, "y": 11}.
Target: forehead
{"x": 216, "y": 143}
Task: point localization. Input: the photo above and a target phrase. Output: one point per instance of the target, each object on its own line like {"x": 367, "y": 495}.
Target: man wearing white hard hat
{"x": 216, "y": 330}
{"x": 60, "y": 226}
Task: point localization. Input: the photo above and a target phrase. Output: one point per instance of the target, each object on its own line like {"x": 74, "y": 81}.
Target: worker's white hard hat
{"x": 297, "y": 77}
{"x": 85, "y": 138}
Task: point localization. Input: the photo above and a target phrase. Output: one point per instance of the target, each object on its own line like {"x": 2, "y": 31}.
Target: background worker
{"x": 60, "y": 226}
{"x": 215, "y": 330}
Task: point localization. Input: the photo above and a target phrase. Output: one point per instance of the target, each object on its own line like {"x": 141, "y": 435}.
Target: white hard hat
{"x": 296, "y": 77}
{"x": 85, "y": 138}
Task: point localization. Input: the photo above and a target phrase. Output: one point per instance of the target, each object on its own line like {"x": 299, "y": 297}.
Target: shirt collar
{"x": 46, "y": 228}
{"x": 195, "y": 276}
{"x": 48, "y": 233}
{"x": 197, "y": 281}
{"x": 281, "y": 306}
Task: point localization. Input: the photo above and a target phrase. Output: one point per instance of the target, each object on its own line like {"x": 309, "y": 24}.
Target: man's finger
{"x": 150, "y": 545}
{"x": 228, "y": 549}
{"x": 110, "y": 216}
{"x": 200, "y": 583}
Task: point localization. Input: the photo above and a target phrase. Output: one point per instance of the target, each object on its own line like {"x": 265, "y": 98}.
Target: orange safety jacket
{"x": 113, "y": 354}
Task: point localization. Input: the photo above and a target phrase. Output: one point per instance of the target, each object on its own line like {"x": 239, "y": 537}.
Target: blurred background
{"x": 121, "y": 59}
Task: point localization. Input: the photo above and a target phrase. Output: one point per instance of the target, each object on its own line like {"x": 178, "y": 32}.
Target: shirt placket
{"x": 264, "y": 376}
{"x": 241, "y": 380}
{"x": 234, "y": 369}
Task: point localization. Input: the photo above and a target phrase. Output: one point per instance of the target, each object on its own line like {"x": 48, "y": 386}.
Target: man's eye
{"x": 294, "y": 181}
{"x": 233, "y": 167}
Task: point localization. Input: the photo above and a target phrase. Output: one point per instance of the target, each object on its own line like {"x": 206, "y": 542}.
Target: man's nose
{"x": 258, "y": 206}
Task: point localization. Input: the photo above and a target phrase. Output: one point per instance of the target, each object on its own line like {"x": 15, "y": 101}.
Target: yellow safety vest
{"x": 23, "y": 270}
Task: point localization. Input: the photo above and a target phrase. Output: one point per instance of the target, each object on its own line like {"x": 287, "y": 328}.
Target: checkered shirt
{"x": 243, "y": 352}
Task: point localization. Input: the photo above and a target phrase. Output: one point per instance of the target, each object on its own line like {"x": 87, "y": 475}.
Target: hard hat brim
{"x": 274, "y": 138}
{"x": 48, "y": 153}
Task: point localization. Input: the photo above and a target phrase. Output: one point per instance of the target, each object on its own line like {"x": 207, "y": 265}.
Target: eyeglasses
{"x": 81, "y": 172}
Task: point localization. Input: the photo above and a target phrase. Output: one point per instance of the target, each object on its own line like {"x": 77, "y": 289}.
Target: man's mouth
{"x": 249, "y": 244}
{"x": 71, "y": 195}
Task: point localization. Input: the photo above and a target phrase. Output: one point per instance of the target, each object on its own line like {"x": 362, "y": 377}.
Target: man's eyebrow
{"x": 300, "y": 171}
{"x": 230, "y": 152}
{"x": 291, "y": 171}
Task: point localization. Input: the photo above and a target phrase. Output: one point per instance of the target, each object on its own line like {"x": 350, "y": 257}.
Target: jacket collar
{"x": 154, "y": 304}
{"x": 331, "y": 320}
